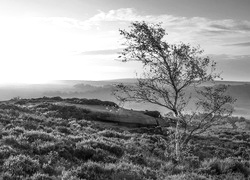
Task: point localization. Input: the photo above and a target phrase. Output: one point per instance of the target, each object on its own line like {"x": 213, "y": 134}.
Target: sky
{"x": 42, "y": 40}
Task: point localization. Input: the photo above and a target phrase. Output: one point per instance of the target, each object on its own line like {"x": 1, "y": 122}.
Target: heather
{"x": 45, "y": 139}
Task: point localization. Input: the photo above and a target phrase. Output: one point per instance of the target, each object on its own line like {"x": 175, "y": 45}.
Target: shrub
{"x": 92, "y": 102}
{"x": 6, "y": 151}
{"x": 171, "y": 168}
{"x": 108, "y": 146}
{"x": 84, "y": 152}
{"x": 13, "y": 108}
{"x": 138, "y": 159}
{"x": 63, "y": 130}
{"x": 39, "y": 176}
{"x": 9, "y": 126}
{"x": 231, "y": 176}
{"x": 154, "y": 162}
{"x": 44, "y": 148}
{"x": 130, "y": 171}
{"x": 217, "y": 166}
{"x": 57, "y": 98}
{"x": 230, "y": 165}
{"x": 20, "y": 101}
{"x": 125, "y": 175}
{"x": 191, "y": 162}
{"x": 155, "y": 114}
{"x": 48, "y": 169}
{"x": 67, "y": 112}
{"x": 103, "y": 156}
{"x": 32, "y": 136}
{"x": 65, "y": 149}
{"x": 7, "y": 176}
{"x": 69, "y": 175}
{"x": 211, "y": 166}
{"x": 93, "y": 170}
{"x": 84, "y": 123}
{"x": 21, "y": 165}
{"x": 29, "y": 125}
{"x": 16, "y": 142}
{"x": 16, "y": 131}
{"x": 186, "y": 176}
{"x": 113, "y": 134}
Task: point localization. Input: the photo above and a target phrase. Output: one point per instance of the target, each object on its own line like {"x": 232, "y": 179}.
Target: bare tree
{"x": 169, "y": 72}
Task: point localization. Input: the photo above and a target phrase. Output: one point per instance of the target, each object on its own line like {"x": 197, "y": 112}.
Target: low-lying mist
{"x": 102, "y": 90}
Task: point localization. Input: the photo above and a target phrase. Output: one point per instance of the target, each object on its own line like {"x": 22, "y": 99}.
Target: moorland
{"x": 51, "y": 138}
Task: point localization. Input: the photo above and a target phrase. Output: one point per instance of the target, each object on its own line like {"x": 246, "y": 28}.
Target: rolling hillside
{"x": 90, "y": 109}
{"x": 76, "y": 139}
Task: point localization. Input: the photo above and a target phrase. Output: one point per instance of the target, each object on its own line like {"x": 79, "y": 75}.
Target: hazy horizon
{"x": 60, "y": 81}
{"x": 103, "y": 90}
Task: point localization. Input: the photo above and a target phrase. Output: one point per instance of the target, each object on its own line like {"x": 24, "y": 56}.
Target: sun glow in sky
{"x": 42, "y": 40}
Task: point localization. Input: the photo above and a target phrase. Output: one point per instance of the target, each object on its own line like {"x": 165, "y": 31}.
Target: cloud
{"x": 230, "y": 25}
{"x": 195, "y": 30}
{"x": 229, "y": 57}
{"x": 101, "y": 52}
{"x": 130, "y": 14}
{"x": 123, "y": 14}
{"x": 243, "y": 44}
{"x": 212, "y": 35}
{"x": 209, "y": 32}
{"x": 172, "y": 23}
{"x": 219, "y": 26}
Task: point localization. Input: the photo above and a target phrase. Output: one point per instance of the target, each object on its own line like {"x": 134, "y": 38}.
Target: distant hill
{"x": 102, "y": 90}
{"x": 89, "y": 109}
{"x": 127, "y": 81}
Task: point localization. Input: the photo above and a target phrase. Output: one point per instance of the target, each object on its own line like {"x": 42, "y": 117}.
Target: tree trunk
{"x": 177, "y": 140}
{"x": 177, "y": 136}
{"x": 158, "y": 125}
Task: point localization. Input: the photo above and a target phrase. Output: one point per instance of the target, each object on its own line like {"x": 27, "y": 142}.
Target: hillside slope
{"x": 94, "y": 110}
{"x": 55, "y": 139}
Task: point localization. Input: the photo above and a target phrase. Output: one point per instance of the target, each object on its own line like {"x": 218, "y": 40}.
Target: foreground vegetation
{"x": 40, "y": 140}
